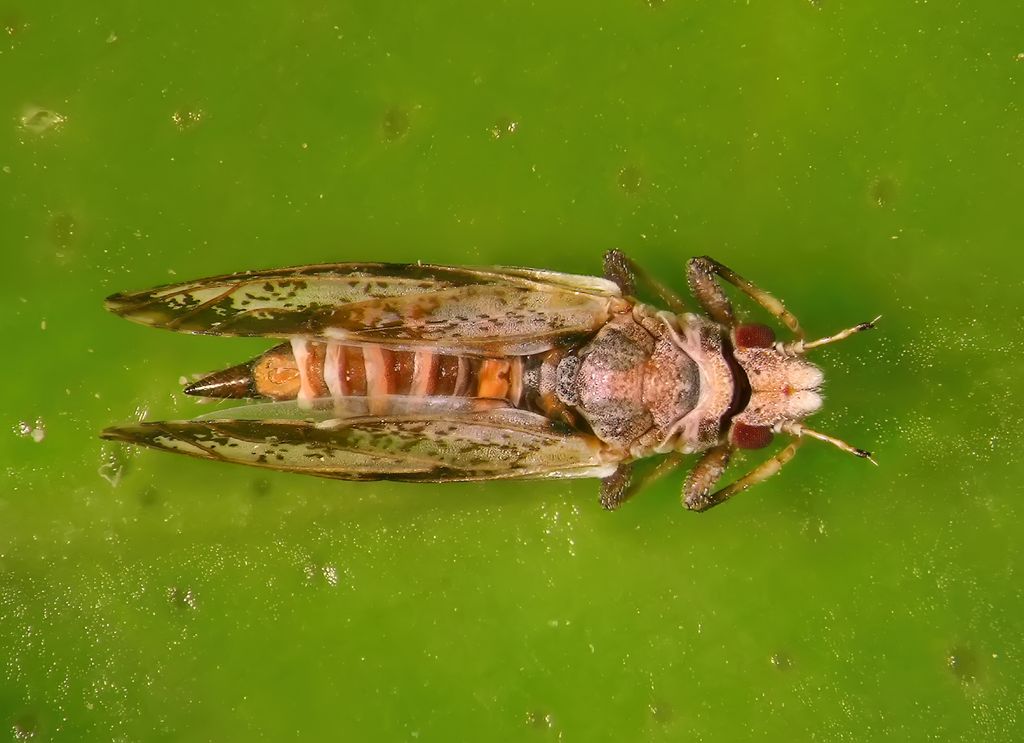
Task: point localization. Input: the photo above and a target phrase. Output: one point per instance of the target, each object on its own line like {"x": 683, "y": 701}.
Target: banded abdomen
{"x": 306, "y": 370}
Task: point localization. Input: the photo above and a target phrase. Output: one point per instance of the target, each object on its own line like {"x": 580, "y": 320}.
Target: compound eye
{"x": 751, "y": 437}
{"x": 754, "y": 335}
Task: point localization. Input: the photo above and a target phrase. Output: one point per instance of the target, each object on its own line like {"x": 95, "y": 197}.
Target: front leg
{"x": 701, "y": 501}
{"x": 705, "y": 474}
{"x": 701, "y": 274}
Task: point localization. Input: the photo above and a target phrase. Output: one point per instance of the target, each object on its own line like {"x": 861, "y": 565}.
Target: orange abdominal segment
{"x": 308, "y": 370}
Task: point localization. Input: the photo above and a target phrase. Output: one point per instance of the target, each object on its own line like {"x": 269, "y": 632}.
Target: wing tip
{"x": 131, "y": 306}
{"x": 119, "y": 302}
{"x": 124, "y": 434}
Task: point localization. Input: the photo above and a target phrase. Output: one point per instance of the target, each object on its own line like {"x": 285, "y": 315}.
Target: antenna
{"x": 799, "y": 430}
{"x": 801, "y": 346}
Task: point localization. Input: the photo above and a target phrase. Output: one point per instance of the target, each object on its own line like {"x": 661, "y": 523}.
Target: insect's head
{"x": 779, "y": 388}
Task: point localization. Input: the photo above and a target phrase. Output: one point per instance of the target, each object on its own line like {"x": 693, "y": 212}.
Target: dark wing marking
{"x": 497, "y": 444}
{"x": 486, "y": 310}
{"x": 326, "y": 408}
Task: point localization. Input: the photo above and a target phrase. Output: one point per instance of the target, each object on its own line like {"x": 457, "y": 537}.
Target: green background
{"x": 855, "y": 158}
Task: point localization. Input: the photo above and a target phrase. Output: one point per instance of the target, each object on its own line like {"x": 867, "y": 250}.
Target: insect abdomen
{"x": 307, "y": 370}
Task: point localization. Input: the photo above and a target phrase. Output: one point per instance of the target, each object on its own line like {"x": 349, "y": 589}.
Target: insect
{"x": 437, "y": 373}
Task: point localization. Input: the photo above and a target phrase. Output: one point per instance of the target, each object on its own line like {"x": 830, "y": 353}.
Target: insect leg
{"x": 619, "y": 487}
{"x": 705, "y": 474}
{"x": 617, "y": 268}
{"x": 614, "y": 487}
{"x": 701, "y": 272}
{"x": 698, "y": 501}
{"x": 627, "y": 273}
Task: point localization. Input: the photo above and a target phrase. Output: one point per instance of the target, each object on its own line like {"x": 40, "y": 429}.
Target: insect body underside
{"x": 434, "y": 373}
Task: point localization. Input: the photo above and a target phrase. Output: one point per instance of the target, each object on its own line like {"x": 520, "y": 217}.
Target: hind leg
{"x": 626, "y": 273}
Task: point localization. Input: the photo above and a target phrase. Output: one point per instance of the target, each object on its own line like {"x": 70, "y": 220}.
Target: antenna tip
{"x": 868, "y": 325}
{"x": 863, "y": 454}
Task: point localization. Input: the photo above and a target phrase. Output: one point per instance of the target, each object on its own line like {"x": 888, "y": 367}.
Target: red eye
{"x": 751, "y": 437}
{"x": 754, "y": 335}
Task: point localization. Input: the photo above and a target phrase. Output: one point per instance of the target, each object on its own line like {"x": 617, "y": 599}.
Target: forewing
{"x": 483, "y": 310}
{"x": 490, "y": 445}
{"x": 322, "y": 409}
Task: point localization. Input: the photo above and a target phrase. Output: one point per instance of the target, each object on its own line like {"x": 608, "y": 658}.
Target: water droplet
{"x": 25, "y": 727}
{"x": 115, "y": 462}
{"x": 661, "y": 711}
{"x": 630, "y": 179}
{"x": 540, "y": 719}
{"x": 504, "y": 128}
{"x": 13, "y": 25}
{"x": 36, "y": 432}
{"x": 149, "y": 495}
{"x": 963, "y": 662}
{"x": 883, "y": 191}
{"x": 38, "y": 120}
{"x": 187, "y": 119}
{"x": 396, "y": 124}
{"x": 62, "y": 229}
{"x": 183, "y": 598}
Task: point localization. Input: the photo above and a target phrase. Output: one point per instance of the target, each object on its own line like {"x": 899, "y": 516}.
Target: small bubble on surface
{"x": 882, "y": 191}
{"x": 963, "y": 662}
{"x": 149, "y": 495}
{"x": 630, "y": 179}
{"x": 63, "y": 228}
{"x": 187, "y": 119}
{"x": 661, "y": 711}
{"x": 396, "y": 124}
{"x": 25, "y": 727}
{"x": 540, "y": 719}
{"x": 503, "y": 128}
{"x": 183, "y": 598}
{"x": 781, "y": 661}
{"x": 36, "y": 432}
{"x": 10, "y": 26}
{"x": 114, "y": 463}
{"x": 38, "y": 120}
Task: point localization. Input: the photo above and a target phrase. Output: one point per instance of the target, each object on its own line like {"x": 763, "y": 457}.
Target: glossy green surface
{"x": 854, "y": 158}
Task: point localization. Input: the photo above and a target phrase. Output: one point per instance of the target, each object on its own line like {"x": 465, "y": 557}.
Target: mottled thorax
{"x": 634, "y": 382}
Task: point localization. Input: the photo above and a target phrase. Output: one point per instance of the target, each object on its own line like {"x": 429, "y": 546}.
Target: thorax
{"x": 650, "y": 381}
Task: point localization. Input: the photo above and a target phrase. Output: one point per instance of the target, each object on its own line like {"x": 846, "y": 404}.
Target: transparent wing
{"x": 493, "y": 310}
{"x": 489, "y": 445}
